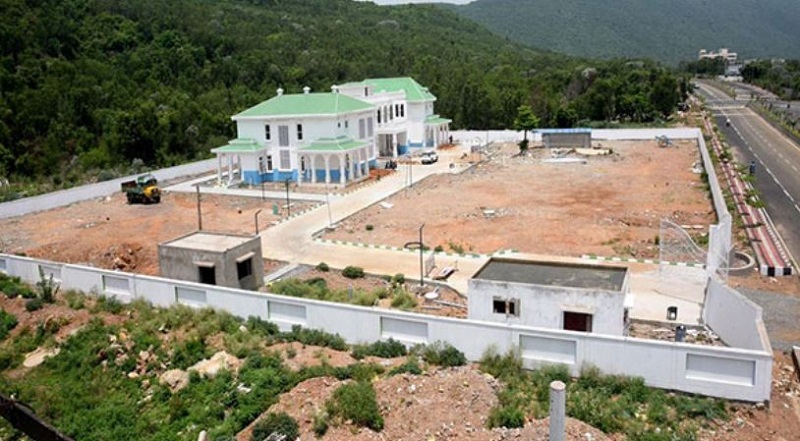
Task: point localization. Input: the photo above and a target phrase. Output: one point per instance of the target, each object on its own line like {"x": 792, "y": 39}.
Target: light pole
{"x": 328, "y": 203}
{"x": 288, "y": 204}
{"x": 421, "y": 247}
{"x": 256, "y": 218}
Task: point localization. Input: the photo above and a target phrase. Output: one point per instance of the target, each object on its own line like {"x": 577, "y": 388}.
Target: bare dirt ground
{"x": 110, "y": 233}
{"x": 612, "y": 205}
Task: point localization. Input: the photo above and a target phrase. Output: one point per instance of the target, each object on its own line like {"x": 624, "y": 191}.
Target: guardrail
{"x": 732, "y": 373}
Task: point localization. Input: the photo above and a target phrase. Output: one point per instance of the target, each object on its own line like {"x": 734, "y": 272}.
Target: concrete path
{"x": 781, "y": 312}
{"x": 190, "y": 187}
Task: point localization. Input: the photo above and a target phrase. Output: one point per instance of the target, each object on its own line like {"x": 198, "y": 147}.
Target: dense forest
{"x": 780, "y": 77}
{"x": 91, "y": 89}
{"x": 665, "y": 30}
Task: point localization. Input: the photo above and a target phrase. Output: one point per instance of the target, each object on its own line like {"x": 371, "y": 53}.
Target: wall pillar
{"x": 327, "y": 169}
{"x": 558, "y": 401}
{"x": 341, "y": 169}
{"x": 313, "y": 169}
{"x": 230, "y": 169}
{"x": 219, "y": 169}
{"x": 394, "y": 145}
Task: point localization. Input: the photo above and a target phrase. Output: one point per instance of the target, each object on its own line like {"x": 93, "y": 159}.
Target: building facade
{"x": 332, "y": 137}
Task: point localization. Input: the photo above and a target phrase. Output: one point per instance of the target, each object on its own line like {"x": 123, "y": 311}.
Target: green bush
{"x": 75, "y": 299}
{"x": 411, "y": 366}
{"x": 7, "y": 323}
{"x": 384, "y": 349}
{"x": 356, "y": 402}
{"x": 369, "y": 227}
{"x": 353, "y": 272}
{"x": 48, "y": 287}
{"x": 277, "y": 423}
{"x": 403, "y": 300}
{"x": 13, "y": 287}
{"x": 506, "y": 416}
{"x": 108, "y": 304}
{"x": 34, "y": 304}
{"x": 315, "y": 337}
{"x": 322, "y": 266}
{"x": 501, "y": 366}
{"x": 188, "y": 352}
{"x": 443, "y": 354}
{"x": 399, "y": 278}
{"x": 320, "y": 423}
{"x": 438, "y": 249}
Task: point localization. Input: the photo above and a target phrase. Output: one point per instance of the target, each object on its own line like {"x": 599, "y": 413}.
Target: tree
{"x": 525, "y": 121}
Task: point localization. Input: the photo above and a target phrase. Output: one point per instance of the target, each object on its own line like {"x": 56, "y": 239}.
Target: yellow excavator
{"x": 143, "y": 189}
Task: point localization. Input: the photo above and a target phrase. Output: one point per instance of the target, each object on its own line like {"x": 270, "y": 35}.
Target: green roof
{"x": 436, "y": 119}
{"x": 239, "y": 145}
{"x": 306, "y": 104}
{"x": 414, "y": 91}
{"x": 339, "y": 144}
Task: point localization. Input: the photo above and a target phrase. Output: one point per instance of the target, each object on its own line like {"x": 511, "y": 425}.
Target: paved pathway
{"x": 781, "y": 316}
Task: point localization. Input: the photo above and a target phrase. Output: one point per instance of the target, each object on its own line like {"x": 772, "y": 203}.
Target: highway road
{"x": 777, "y": 161}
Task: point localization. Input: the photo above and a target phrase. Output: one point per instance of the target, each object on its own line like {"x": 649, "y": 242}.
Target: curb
{"x": 633, "y": 260}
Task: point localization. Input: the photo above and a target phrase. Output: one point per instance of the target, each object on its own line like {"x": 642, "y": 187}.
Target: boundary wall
{"x": 732, "y": 373}
{"x": 61, "y": 198}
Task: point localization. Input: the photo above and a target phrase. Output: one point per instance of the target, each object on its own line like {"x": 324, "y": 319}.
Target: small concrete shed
{"x": 564, "y": 296}
{"x": 234, "y": 261}
{"x": 566, "y": 138}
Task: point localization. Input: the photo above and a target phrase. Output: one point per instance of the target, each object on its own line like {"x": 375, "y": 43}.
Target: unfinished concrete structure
{"x": 586, "y": 298}
{"x": 566, "y": 138}
{"x": 214, "y": 258}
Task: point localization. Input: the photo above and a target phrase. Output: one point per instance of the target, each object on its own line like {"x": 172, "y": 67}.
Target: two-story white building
{"x": 331, "y": 137}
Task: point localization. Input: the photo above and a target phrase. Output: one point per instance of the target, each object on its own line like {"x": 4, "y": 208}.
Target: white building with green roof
{"x": 331, "y": 137}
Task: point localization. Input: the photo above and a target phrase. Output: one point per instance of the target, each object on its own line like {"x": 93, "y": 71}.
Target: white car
{"x": 429, "y": 157}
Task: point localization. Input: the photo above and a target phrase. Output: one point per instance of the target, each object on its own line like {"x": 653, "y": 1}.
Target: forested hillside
{"x": 667, "y": 30}
{"x": 89, "y": 88}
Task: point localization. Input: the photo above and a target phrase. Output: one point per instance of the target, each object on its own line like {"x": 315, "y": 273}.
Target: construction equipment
{"x": 143, "y": 189}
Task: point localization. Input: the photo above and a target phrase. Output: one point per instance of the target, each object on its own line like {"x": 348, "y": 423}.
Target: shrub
{"x": 7, "y": 323}
{"x": 322, "y": 266}
{"x": 13, "y": 287}
{"x": 384, "y": 349}
{"x": 411, "y": 366}
{"x": 320, "y": 423}
{"x": 399, "y": 278}
{"x": 188, "y": 352}
{"x": 356, "y": 402}
{"x": 443, "y": 354}
{"x": 48, "y": 288}
{"x": 75, "y": 299}
{"x": 438, "y": 249}
{"x": 404, "y": 301}
{"x": 353, "y": 272}
{"x": 506, "y": 416}
{"x": 108, "y": 304}
{"x": 501, "y": 366}
{"x": 276, "y": 423}
{"x": 369, "y": 227}
{"x": 315, "y": 337}
{"x": 34, "y": 304}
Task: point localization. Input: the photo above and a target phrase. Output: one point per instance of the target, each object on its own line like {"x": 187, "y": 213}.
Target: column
{"x": 341, "y": 169}
{"x": 394, "y": 145}
{"x": 352, "y": 166}
{"x": 327, "y": 169}
{"x": 313, "y": 159}
{"x": 230, "y": 169}
{"x": 219, "y": 169}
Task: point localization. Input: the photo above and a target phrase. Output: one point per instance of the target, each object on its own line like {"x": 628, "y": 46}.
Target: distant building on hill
{"x": 331, "y": 137}
{"x": 724, "y": 53}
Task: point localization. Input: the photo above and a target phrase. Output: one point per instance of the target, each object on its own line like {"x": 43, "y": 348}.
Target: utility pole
{"x": 199, "y": 210}
{"x": 421, "y": 251}
{"x": 288, "y": 204}
{"x": 256, "y": 218}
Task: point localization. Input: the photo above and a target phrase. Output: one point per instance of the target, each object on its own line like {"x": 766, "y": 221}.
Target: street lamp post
{"x": 421, "y": 250}
{"x": 288, "y": 204}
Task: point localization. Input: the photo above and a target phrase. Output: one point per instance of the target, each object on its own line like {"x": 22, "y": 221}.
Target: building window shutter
{"x": 286, "y": 162}
{"x": 283, "y": 136}
{"x": 370, "y": 128}
{"x": 361, "y": 129}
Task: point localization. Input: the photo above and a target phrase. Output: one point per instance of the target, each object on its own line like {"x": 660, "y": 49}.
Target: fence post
{"x": 558, "y": 404}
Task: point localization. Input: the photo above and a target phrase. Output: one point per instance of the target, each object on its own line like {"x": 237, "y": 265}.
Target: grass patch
{"x": 383, "y": 348}
{"x": 613, "y": 404}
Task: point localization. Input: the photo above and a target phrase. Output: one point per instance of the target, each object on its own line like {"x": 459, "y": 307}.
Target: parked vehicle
{"x": 429, "y": 157}
{"x": 143, "y": 189}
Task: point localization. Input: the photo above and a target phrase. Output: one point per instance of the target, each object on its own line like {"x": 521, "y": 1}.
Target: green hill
{"x": 667, "y": 30}
{"x": 91, "y": 89}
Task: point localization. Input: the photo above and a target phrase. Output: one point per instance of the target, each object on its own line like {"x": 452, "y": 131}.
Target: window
{"x": 261, "y": 165}
{"x": 346, "y": 124}
{"x": 402, "y": 110}
{"x": 299, "y": 132}
{"x": 267, "y": 135}
{"x": 370, "y": 128}
{"x": 397, "y": 110}
{"x": 244, "y": 268}
{"x": 379, "y": 116}
{"x": 208, "y": 274}
{"x": 505, "y": 306}
{"x": 366, "y": 91}
{"x": 269, "y": 162}
{"x": 391, "y": 114}
{"x": 283, "y": 136}
{"x": 286, "y": 160}
{"x": 362, "y": 128}
{"x": 577, "y": 321}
